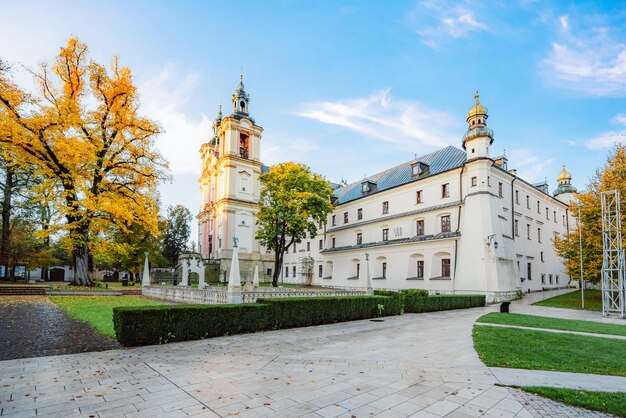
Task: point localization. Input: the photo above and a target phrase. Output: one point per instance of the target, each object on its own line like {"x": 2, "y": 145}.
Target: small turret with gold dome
{"x": 477, "y": 131}
{"x": 564, "y": 180}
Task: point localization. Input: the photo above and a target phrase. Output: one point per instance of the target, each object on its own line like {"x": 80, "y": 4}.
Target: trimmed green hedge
{"x": 161, "y": 324}
{"x": 146, "y": 325}
{"x": 442, "y": 303}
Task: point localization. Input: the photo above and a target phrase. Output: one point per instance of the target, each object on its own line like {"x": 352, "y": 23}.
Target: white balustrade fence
{"x": 218, "y": 295}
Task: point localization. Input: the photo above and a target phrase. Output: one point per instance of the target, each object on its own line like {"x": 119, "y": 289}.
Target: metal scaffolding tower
{"x": 613, "y": 270}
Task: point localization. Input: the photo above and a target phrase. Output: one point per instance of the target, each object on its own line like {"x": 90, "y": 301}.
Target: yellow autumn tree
{"x": 610, "y": 177}
{"x": 83, "y": 133}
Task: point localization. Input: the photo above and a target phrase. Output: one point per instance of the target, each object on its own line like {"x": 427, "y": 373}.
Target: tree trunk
{"x": 5, "y": 240}
{"x": 82, "y": 276}
{"x": 278, "y": 265}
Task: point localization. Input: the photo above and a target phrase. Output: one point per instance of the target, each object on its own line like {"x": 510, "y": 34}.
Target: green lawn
{"x": 539, "y": 350}
{"x": 610, "y": 402}
{"x": 553, "y": 323}
{"x": 98, "y": 310}
{"x": 572, "y": 300}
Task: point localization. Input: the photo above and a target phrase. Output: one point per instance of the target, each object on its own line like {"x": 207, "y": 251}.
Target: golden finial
{"x": 476, "y": 97}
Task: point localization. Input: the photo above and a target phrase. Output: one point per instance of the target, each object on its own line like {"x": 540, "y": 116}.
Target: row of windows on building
{"x": 528, "y": 231}
{"x": 446, "y": 226}
{"x": 419, "y": 270}
{"x": 529, "y": 274}
{"x": 445, "y": 192}
{"x": 547, "y": 209}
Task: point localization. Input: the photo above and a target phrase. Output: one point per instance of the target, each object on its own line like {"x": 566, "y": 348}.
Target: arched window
{"x": 416, "y": 267}
{"x": 242, "y": 104}
{"x": 328, "y": 270}
{"x": 442, "y": 265}
{"x": 381, "y": 268}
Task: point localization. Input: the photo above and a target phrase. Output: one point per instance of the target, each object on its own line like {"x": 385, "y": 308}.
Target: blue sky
{"x": 353, "y": 87}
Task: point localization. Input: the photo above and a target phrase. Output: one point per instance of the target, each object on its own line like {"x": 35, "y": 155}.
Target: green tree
{"x": 176, "y": 233}
{"x": 293, "y": 201}
{"x": 610, "y": 177}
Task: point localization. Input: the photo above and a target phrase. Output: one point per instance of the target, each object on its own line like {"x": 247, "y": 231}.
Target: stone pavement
{"x": 32, "y": 326}
{"x": 543, "y": 407}
{"x": 412, "y": 365}
{"x": 556, "y": 331}
{"x": 524, "y": 306}
{"x": 593, "y": 382}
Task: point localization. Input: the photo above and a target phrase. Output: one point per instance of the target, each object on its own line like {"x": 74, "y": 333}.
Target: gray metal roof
{"x": 438, "y": 161}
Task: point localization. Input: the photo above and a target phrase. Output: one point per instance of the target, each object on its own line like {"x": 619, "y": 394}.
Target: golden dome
{"x": 564, "y": 175}
{"x": 477, "y": 109}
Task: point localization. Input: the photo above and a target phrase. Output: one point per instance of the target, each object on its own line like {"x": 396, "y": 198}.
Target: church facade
{"x": 451, "y": 221}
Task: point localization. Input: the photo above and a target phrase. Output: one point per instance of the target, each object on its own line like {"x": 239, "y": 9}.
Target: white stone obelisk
{"x": 145, "y": 279}
{"x": 369, "y": 289}
{"x": 255, "y": 278}
{"x": 234, "y": 278}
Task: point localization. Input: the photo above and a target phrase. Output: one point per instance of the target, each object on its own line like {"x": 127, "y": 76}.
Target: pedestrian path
{"x": 544, "y": 407}
{"x": 524, "y": 306}
{"x": 558, "y": 331}
{"x": 32, "y": 326}
{"x": 414, "y": 365}
{"x": 593, "y": 382}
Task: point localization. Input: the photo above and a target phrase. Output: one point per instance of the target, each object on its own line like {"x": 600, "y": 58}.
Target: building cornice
{"x": 396, "y": 216}
{"x": 394, "y": 242}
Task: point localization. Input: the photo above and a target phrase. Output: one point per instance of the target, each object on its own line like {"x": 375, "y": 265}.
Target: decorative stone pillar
{"x": 184, "y": 281}
{"x": 369, "y": 288}
{"x": 255, "y": 279}
{"x": 234, "y": 279}
{"x": 145, "y": 279}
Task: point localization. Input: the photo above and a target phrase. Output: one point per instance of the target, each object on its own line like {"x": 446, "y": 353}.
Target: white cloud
{"x": 277, "y": 150}
{"x": 607, "y": 139}
{"x": 531, "y": 166}
{"x": 619, "y": 119}
{"x": 592, "y": 61}
{"x": 163, "y": 97}
{"x": 381, "y": 117}
{"x": 564, "y": 21}
{"x": 437, "y": 22}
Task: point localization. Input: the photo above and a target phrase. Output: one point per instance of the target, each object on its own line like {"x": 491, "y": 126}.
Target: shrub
{"x": 417, "y": 293}
{"x": 442, "y": 303}
{"x": 161, "y": 324}
{"x": 303, "y": 312}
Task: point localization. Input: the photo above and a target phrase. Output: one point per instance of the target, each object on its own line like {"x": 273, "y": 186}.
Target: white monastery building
{"x": 451, "y": 221}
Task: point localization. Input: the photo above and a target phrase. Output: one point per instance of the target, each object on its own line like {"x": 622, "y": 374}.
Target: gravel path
{"x": 32, "y": 326}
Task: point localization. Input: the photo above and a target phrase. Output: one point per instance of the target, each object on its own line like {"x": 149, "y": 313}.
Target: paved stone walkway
{"x": 543, "y": 407}
{"x": 557, "y": 331}
{"x": 412, "y": 365}
{"x": 593, "y": 382}
{"x": 524, "y": 306}
{"x": 32, "y": 326}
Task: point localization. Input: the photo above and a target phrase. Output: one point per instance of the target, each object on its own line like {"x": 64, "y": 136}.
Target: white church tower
{"x": 230, "y": 188}
{"x": 486, "y": 248}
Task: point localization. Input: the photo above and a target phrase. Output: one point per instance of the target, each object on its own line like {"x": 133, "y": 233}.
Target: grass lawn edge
{"x": 613, "y": 403}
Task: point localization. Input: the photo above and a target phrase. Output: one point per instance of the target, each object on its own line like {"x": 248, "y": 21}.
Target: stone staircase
{"x": 24, "y": 290}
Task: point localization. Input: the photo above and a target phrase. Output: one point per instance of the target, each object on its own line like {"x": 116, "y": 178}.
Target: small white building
{"x": 451, "y": 221}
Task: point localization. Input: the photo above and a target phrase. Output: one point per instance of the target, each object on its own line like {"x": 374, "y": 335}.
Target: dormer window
{"x": 367, "y": 186}
{"x": 418, "y": 168}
